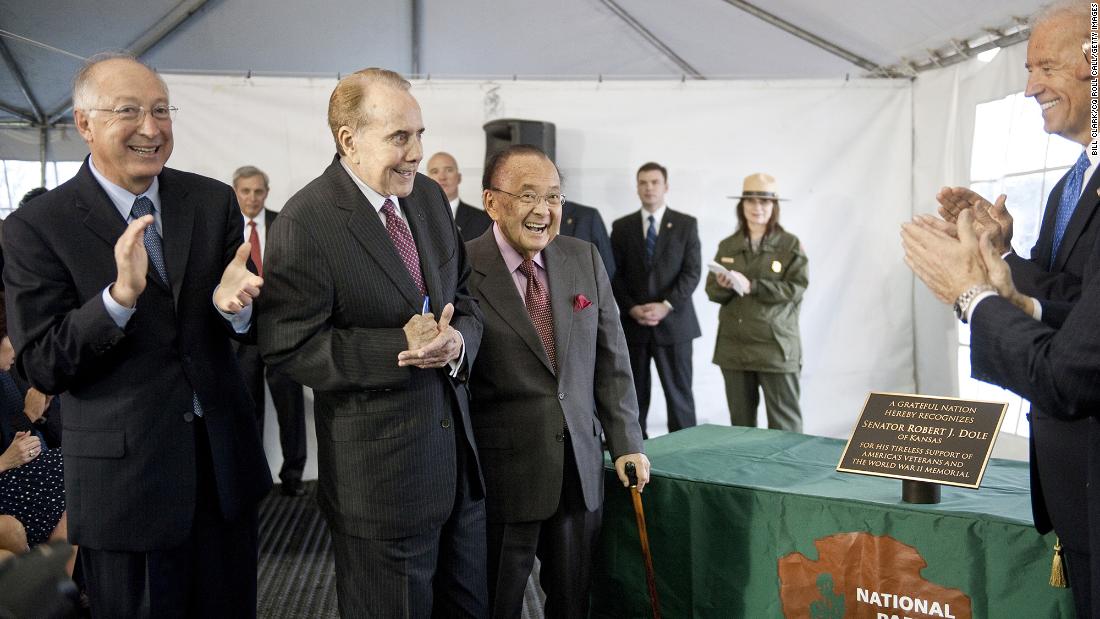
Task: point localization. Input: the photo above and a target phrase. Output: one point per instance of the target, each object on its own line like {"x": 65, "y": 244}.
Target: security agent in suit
{"x": 1061, "y": 447}
{"x": 658, "y": 262}
{"x": 536, "y": 411}
{"x": 163, "y": 464}
{"x": 352, "y": 261}
{"x": 251, "y": 186}
{"x": 584, "y": 222}
{"x": 471, "y": 221}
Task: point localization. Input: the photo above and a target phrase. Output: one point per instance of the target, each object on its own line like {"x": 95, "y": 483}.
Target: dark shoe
{"x": 292, "y": 488}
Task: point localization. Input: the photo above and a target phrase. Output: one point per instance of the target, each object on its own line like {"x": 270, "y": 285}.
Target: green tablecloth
{"x": 727, "y": 504}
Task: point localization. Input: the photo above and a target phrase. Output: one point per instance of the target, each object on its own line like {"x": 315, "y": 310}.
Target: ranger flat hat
{"x": 759, "y": 185}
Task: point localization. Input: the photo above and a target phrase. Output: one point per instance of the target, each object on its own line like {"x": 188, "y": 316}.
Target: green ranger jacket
{"x": 759, "y": 331}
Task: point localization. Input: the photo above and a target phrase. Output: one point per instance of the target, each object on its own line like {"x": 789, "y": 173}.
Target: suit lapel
{"x": 665, "y": 229}
{"x": 178, "y": 220}
{"x": 560, "y": 273}
{"x": 101, "y": 216}
{"x": 1082, "y": 213}
{"x": 367, "y": 228}
{"x": 498, "y": 290}
{"x": 414, "y": 210}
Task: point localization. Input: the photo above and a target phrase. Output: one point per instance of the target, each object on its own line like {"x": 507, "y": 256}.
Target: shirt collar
{"x": 376, "y": 199}
{"x": 122, "y": 199}
{"x": 657, "y": 215}
{"x": 512, "y": 258}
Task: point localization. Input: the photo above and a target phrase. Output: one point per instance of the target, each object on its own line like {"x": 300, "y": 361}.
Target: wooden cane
{"x": 647, "y": 556}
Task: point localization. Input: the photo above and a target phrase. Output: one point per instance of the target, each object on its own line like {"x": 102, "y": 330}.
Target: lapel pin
{"x": 668, "y": 225}
{"x": 569, "y": 221}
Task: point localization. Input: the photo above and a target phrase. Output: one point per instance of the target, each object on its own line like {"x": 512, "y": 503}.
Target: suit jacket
{"x": 1061, "y": 281}
{"x": 471, "y": 221}
{"x": 130, "y": 474}
{"x": 519, "y": 405}
{"x": 673, "y": 276}
{"x": 1061, "y": 441}
{"x": 584, "y": 222}
{"x": 335, "y": 300}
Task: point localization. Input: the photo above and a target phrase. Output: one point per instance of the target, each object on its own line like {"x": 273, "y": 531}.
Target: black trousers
{"x": 564, "y": 543}
{"x": 212, "y": 574}
{"x": 438, "y": 573}
{"x": 1079, "y": 568}
{"x": 290, "y": 409}
{"x": 674, "y": 368}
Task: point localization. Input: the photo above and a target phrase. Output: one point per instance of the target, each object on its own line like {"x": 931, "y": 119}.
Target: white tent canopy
{"x": 858, "y": 156}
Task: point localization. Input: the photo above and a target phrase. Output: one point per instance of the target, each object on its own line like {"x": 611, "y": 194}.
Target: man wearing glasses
{"x": 552, "y": 334}
{"x": 128, "y": 282}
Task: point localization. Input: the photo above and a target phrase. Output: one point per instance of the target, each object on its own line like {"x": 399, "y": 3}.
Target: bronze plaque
{"x": 923, "y": 438}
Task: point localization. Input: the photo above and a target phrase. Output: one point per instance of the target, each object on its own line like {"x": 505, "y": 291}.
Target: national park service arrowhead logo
{"x": 862, "y": 576}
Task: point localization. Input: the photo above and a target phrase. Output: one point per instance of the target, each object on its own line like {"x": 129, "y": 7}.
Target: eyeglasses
{"x": 136, "y": 113}
{"x": 531, "y": 198}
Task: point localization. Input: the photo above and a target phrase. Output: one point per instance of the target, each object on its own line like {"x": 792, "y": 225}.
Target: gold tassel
{"x": 1057, "y": 571}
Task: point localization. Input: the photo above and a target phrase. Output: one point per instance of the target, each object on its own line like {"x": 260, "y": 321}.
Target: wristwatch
{"x": 962, "y": 304}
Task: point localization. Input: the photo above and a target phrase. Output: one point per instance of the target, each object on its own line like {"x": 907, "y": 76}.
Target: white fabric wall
{"x": 943, "y": 126}
{"x": 841, "y": 150}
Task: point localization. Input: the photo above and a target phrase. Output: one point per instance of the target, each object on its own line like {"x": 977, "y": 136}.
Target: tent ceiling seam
{"x": 653, "y": 39}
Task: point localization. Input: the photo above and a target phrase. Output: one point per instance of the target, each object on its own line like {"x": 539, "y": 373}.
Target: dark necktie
{"x": 1071, "y": 193}
{"x": 144, "y": 206}
{"x": 254, "y": 242}
{"x": 403, "y": 241}
{"x": 650, "y": 240}
{"x": 538, "y": 307}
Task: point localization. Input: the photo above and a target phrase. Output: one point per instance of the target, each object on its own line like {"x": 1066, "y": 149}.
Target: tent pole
{"x": 13, "y": 66}
{"x": 43, "y": 140}
{"x": 414, "y": 40}
{"x": 653, "y": 40}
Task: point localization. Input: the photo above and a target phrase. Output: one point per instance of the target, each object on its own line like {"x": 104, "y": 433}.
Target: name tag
{"x": 725, "y": 260}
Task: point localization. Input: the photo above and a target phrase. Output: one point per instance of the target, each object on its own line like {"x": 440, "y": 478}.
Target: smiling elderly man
{"x": 109, "y": 302}
{"x": 354, "y": 263}
{"x": 1017, "y": 352}
{"x": 552, "y": 334}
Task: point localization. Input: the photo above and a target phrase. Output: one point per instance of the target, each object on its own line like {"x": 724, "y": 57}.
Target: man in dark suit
{"x": 584, "y": 222}
{"x": 131, "y": 322}
{"x": 251, "y": 186}
{"x": 658, "y": 264}
{"x": 552, "y": 334}
{"x": 1010, "y": 349}
{"x": 471, "y": 221}
{"x": 359, "y": 263}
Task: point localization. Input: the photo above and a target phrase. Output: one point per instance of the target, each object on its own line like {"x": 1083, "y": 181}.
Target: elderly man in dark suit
{"x": 552, "y": 334}
{"x": 584, "y": 222}
{"x": 124, "y": 287}
{"x": 252, "y": 186}
{"x": 471, "y": 221}
{"x": 1062, "y": 446}
{"x": 658, "y": 266}
{"x": 358, "y": 265}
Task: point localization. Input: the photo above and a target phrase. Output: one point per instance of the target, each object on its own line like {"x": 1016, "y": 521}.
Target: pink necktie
{"x": 403, "y": 242}
{"x": 254, "y": 241}
{"x": 538, "y": 306}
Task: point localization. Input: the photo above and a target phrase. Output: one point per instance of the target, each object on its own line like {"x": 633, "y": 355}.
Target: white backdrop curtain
{"x": 841, "y": 151}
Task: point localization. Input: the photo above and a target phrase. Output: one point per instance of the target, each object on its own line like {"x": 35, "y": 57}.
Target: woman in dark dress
{"x": 32, "y": 487}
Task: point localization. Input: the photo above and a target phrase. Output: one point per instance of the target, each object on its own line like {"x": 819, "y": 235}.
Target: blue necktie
{"x": 144, "y": 206}
{"x": 1071, "y": 193}
{"x": 650, "y": 240}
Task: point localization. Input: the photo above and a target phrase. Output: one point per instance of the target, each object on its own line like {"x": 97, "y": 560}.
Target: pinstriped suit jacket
{"x": 519, "y": 404}
{"x": 335, "y": 299}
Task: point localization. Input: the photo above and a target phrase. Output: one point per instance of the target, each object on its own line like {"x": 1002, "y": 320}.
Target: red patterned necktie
{"x": 254, "y": 242}
{"x": 538, "y": 306}
{"x": 403, "y": 242}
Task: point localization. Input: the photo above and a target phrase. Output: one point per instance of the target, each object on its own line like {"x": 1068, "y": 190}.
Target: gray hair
{"x": 249, "y": 171}
{"x": 84, "y": 86}
{"x": 1079, "y": 10}
{"x": 345, "y": 104}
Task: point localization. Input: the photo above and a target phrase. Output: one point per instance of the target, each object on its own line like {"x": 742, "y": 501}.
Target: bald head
{"x": 443, "y": 169}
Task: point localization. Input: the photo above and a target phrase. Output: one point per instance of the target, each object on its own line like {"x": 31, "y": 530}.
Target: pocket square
{"x": 580, "y": 302}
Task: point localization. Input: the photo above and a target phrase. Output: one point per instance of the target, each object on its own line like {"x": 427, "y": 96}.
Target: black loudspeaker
{"x": 502, "y": 133}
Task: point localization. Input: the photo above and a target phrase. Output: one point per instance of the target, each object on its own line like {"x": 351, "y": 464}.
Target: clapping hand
{"x": 131, "y": 262}
{"x": 238, "y": 286}
{"x": 993, "y": 218}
